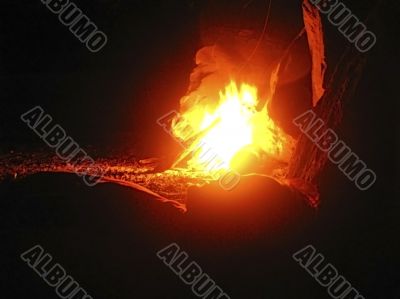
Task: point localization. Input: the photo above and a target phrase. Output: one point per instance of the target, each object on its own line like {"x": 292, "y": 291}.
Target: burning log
{"x": 308, "y": 160}
{"x": 315, "y": 36}
{"x": 193, "y": 143}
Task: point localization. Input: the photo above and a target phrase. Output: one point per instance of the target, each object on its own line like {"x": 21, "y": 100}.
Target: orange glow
{"x": 216, "y": 133}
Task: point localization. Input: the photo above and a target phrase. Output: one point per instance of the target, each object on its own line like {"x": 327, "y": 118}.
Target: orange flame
{"x": 216, "y": 135}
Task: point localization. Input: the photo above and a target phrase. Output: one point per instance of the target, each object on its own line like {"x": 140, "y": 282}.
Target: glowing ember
{"x": 219, "y": 133}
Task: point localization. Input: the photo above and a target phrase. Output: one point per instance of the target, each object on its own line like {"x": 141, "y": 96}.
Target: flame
{"x": 215, "y": 136}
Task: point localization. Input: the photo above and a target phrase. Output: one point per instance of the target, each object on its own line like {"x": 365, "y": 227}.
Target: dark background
{"x": 107, "y": 237}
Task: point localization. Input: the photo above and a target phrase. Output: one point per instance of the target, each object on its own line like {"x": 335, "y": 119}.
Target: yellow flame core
{"x": 215, "y": 136}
